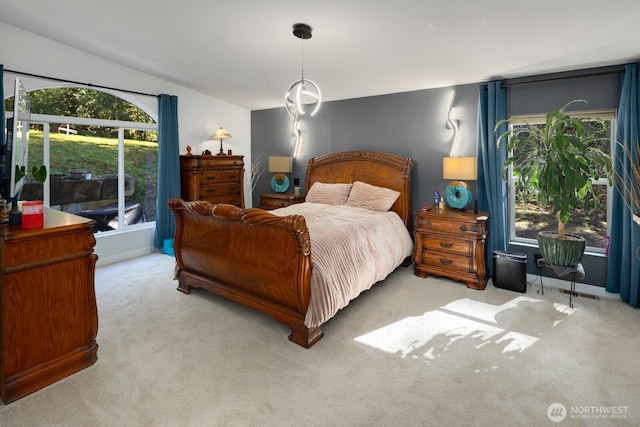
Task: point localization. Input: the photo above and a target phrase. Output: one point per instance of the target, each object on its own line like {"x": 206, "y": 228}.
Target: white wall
{"x": 199, "y": 115}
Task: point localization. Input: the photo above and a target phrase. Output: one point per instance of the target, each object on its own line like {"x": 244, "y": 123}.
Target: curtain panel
{"x": 623, "y": 265}
{"x": 2, "y": 118}
{"x": 168, "y": 167}
{"x": 491, "y": 188}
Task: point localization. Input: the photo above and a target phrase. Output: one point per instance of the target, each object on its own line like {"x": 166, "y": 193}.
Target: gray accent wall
{"x": 409, "y": 124}
{"x": 414, "y": 124}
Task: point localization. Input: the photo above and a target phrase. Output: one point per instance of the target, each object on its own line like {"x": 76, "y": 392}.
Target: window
{"x": 101, "y": 153}
{"x": 527, "y": 217}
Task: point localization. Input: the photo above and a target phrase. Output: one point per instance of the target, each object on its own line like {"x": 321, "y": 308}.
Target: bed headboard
{"x": 373, "y": 167}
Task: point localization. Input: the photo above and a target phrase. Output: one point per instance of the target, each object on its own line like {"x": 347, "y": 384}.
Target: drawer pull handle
{"x": 428, "y": 223}
{"x": 211, "y": 178}
{"x": 232, "y": 176}
{"x": 446, "y": 245}
{"x": 445, "y": 261}
{"x": 463, "y": 228}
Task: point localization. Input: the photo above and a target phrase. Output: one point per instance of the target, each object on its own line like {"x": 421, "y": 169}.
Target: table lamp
{"x": 458, "y": 193}
{"x": 221, "y": 134}
{"x": 280, "y": 165}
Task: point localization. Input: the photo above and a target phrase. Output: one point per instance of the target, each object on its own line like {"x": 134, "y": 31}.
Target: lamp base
{"x": 458, "y": 194}
{"x": 221, "y": 152}
{"x": 279, "y": 183}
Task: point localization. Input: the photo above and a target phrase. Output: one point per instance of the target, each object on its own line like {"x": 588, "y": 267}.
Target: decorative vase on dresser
{"x": 216, "y": 179}
{"x": 451, "y": 243}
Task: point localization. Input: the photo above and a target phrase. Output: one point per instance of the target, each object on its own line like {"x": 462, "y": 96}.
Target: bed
{"x": 266, "y": 259}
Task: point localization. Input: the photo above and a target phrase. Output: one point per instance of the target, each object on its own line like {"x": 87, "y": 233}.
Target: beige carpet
{"x": 410, "y": 352}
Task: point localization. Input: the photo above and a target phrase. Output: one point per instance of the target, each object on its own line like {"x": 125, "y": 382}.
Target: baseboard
{"x": 533, "y": 280}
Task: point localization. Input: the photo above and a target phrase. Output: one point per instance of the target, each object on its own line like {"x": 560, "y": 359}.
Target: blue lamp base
{"x": 458, "y": 194}
{"x": 279, "y": 183}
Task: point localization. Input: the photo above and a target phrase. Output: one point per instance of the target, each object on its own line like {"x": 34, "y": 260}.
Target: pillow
{"x": 329, "y": 194}
{"x": 369, "y": 196}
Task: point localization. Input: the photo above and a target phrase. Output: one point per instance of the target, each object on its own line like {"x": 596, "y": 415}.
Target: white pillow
{"x": 329, "y": 194}
{"x": 369, "y": 196}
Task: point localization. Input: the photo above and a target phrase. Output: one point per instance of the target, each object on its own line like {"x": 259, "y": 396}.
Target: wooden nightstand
{"x": 450, "y": 243}
{"x": 279, "y": 200}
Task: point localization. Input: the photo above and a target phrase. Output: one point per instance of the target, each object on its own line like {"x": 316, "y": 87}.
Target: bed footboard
{"x": 250, "y": 256}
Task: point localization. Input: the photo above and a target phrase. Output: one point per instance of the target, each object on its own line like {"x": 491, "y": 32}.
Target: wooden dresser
{"x": 216, "y": 179}
{"x": 49, "y": 317}
{"x": 279, "y": 200}
{"x": 450, "y": 243}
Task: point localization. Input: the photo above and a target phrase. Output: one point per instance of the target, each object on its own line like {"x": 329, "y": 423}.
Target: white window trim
{"x": 121, "y": 125}
{"x": 609, "y": 115}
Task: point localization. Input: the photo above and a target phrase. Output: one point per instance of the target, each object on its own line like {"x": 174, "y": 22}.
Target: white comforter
{"x": 351, "y": 250}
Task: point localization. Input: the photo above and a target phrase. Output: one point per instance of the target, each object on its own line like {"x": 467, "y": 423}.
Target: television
{"x": 16, "y": 148}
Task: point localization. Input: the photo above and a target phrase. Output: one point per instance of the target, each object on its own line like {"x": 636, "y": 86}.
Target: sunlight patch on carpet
{"x": 467, "y": 324}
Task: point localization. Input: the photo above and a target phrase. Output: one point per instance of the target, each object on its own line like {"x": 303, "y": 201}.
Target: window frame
{"x": 607, "y": 115}
{"x": 45, "y": 120}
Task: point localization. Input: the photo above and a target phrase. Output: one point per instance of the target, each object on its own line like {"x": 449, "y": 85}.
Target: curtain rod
{"x": 79, "y": 83}
{"x": 602, "y": 72}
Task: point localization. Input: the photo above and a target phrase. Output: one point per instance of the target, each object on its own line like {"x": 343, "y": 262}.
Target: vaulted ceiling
{"x": 244, "y": 52}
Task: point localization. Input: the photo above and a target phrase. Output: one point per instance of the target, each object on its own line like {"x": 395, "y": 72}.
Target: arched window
{"x": 101, "y": 152}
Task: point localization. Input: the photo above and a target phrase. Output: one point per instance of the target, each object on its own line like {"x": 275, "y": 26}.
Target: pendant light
{"x": 303, "y": 96}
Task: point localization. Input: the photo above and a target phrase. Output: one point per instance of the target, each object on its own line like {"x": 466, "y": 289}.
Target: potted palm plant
{"x": 558, "y": 162}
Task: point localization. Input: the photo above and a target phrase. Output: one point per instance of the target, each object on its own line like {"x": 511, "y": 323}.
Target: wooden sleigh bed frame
{"x": 264, "y": 261}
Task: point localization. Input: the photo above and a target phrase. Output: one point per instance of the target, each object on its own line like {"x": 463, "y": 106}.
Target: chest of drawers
{"x": 450, "y": 243}
{"x": 216, "y": 179}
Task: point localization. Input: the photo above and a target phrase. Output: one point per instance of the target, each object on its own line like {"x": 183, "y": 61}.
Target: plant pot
{"x": 566, "y": 252}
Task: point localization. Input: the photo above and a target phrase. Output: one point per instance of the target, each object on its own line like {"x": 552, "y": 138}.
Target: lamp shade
{"x": 280, "y": 164}
{"x": 221, "y": 134}
{"x": 459, "y": 168}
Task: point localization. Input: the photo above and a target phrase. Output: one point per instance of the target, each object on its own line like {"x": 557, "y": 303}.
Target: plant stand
{"x": 577, "y": 273}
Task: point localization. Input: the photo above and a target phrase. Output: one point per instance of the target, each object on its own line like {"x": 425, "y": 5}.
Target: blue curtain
{"x": 491, "y": 188}
{"x": 168, "y": 167}
{"x": 2, "y": 118}
{"x": 623, "y": 265}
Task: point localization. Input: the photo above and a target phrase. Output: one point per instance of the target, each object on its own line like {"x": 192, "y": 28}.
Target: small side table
{"x": 279, "y": 200}
{"x": 577, "y": 273}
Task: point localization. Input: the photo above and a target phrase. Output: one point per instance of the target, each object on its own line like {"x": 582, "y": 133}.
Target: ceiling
{"x": 244, "y": 52}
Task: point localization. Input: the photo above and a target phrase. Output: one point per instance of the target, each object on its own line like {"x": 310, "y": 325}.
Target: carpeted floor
{"x": 410, "y": 352}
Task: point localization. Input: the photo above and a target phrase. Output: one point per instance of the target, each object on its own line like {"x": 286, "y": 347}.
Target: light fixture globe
{"x": 303, "y": 96}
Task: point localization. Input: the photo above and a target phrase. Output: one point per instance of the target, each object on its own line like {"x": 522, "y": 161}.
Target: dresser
{"x": 279, "y": 200}
{"x": 451, "y": 243}
{"x": 48, "y": 316}
{"x": 216, "y": 179}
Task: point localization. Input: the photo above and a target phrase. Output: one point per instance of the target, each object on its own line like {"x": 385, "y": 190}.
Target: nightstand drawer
{"x": 279, "y": 200}
{"x": 443, "y": 243}
{"x": 447, "y": 261}
{"x": 451, "y": 226}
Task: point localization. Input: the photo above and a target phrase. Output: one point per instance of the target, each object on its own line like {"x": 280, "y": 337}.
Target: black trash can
{"x": 510, "y": 271}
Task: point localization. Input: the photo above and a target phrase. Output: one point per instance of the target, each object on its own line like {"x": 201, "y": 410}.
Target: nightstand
{"x": 279, "y": 200}
{"x": 450, "y": 243}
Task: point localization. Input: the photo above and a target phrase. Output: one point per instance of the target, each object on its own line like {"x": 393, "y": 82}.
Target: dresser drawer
{"x": 208, "y": 191}
{"x": 444, "y": 243}
{"x": 447, "y": 261}
{"x": 229, "y": 199}
{"x": 219, "y": 176}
